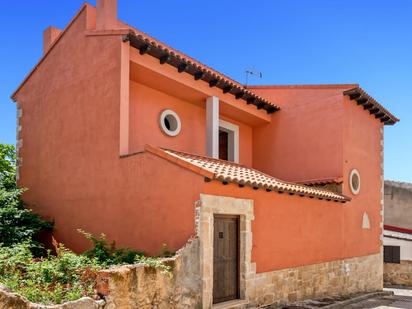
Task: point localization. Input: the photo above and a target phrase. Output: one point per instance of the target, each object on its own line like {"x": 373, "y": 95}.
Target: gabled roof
{"x": 45, "y": 55}
{"x": 167, "y": 55}
{"x": 183, "y": 63}
{"x": 370, "y": 104}
{"x": 229, "y": 172}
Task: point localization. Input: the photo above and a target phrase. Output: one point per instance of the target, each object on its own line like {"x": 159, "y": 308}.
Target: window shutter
{"x": 396, "y": 254}
{"x": 392, "y": 254}
{"x": 387, "y": 254}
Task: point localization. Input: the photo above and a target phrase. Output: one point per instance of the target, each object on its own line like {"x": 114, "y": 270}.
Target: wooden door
{"x": 225, "y": 258}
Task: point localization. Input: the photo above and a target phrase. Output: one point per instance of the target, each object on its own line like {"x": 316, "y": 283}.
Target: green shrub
{"x": 45, "y": 278}
{"x": 108, "y": 254}
{"x": 17, "y": 223}
{"x": 48, "y": 280}
{"x": 155, "y": 263}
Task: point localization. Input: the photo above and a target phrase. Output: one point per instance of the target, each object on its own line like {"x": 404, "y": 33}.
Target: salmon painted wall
{"x": 71, "y": 164}
{"x": 305, "y": 139}
{"x": 290, "y": 231}
{"x": 362, "y": 150}
{"x": 147, "y": 103}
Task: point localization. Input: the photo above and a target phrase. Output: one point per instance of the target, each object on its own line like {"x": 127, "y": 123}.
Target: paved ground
{"x": 401, "y": 299}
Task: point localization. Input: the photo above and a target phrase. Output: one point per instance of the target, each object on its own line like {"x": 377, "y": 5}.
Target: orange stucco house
{"x": 279, "y": 186}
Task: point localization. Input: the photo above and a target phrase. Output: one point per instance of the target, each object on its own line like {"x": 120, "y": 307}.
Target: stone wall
{"x": 140, "y": 286}
{"x": 398, "y": 274}
{"x": 342, "y": 277}
{"x": 336, "y": 278}
{"x": 10, "y": 300}
{"x": 136, "y": 286}
{"x": 398, "y": 204}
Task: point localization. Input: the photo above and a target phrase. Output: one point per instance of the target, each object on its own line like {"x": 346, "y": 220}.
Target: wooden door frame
{"x": 237, "y": 218}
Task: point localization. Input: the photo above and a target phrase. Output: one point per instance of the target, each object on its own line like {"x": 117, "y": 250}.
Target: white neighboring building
{"x": 397, "y": 244}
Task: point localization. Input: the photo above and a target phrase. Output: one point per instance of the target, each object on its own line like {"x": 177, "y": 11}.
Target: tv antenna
{"x": 252, "y": 72}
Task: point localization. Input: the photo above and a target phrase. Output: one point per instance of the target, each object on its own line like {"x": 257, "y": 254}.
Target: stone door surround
{"x": 207, "y": 207}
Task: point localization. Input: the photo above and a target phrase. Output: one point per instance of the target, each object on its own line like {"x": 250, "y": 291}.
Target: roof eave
{"x": 200, "y": 72}
{"x": 374, "y": 107}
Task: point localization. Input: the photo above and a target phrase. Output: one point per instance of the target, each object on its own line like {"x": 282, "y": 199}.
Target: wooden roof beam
{"x": 213, "y": 82}
{"x": 367, "y": 106}
{"x": 374, "y": 111}
{"x": 182, "y": 67}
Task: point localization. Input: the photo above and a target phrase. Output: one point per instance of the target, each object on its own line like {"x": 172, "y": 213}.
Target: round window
{"x": 170, "y": 122}
{"x": 354, "y": 181}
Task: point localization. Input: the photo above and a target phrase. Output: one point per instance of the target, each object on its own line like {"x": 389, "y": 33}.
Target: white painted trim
{"x": 212, "y": 127}
{"x": 366, "y": 222}
{"x": 233, "y": 142}
{"x": 163, "y": 115}
{"x": 353, "y": 190}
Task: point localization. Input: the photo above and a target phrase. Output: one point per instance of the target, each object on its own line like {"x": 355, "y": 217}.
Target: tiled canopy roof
{"x": 229, "y": 172}
{"x": 370, "y": 104}
{"x": 321, "y": 182}
{"x": 183, "y": 63}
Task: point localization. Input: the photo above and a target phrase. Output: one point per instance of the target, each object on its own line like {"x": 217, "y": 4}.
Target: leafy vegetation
{"x": 17, "y": 223}
{"x": 108, "y": 254}
{"x": 28, "y": 269}
{"x": 51, "y": 279}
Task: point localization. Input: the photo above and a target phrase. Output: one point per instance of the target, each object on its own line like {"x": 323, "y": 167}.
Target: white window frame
{"x": 353, "y": 173}
{"x": 165, "y": 130}
{"x": 233, "y": 142}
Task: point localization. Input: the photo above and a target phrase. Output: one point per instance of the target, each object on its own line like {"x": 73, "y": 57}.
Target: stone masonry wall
{"x": 140, "y": 286}
{"x": 342, "y": 277}
{"x": 10, "y": 300}
{"x": 398, "y": 274}
{"x": 136, "y": 286}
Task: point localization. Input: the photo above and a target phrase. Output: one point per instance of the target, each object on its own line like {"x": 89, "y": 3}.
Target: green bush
{"x": 41, "y": 277}
{"x": 108, "y": 254}
{"x": 47, "y": 280}
{"x": 17, "y": 223}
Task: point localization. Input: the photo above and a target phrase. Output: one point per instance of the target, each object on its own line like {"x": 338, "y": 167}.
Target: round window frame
{"x": 162, "y": 117}
{"x": 355, "y": 191}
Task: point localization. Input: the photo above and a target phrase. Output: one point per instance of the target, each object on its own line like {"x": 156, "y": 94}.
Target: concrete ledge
{"x": 232, "y": 304}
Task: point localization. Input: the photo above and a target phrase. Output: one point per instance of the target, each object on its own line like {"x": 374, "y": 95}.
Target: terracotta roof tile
{"x": 321, "y": 182}
{"x": 229, "y": 172}
{"x": 149, "y": 45}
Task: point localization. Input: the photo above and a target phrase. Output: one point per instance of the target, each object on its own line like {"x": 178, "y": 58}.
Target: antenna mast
{"x": 252, "y": 72}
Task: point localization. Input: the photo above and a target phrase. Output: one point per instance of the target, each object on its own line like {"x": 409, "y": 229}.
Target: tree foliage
{"x": 17, "y": 223}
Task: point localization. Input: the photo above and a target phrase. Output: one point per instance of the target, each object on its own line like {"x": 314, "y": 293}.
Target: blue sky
{"x": 290, "y": 41}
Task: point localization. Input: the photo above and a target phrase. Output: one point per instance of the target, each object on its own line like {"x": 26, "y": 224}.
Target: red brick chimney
{"x": 106, "y": 15}
{"x": 50, "y": 34}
